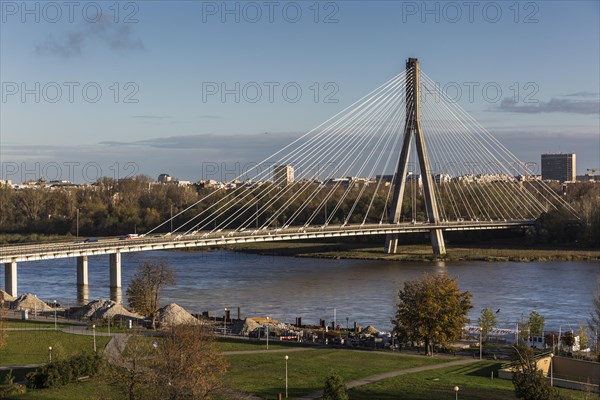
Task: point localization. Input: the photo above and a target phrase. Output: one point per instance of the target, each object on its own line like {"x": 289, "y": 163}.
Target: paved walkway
{"x": 392, "y": 374}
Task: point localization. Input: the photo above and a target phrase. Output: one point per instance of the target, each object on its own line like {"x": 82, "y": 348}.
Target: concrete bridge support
{"x": 82, "y": 271}
{"x": 83, "y": 294}
{"x": 10, "y": 278}
{"x": 437, "y": 242}
{"x": 115, "y": 270}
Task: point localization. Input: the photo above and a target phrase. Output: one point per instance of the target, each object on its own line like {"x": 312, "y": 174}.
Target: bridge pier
{"x": 391, "y": 243}
{"x": 82, "y": 271}
{"x": 116, "y": 295}
{"x": 437, "y": 242}
{"x": 115, "y": 270}
{"x": 83, "y": 294}
{"x": 10, "y": 278}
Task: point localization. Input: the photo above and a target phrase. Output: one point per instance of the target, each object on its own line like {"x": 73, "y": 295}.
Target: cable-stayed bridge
{"x": 351, "y": 175}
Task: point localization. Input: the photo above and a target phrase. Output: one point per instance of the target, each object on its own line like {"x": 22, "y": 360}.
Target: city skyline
{"x": 188, "y": 78}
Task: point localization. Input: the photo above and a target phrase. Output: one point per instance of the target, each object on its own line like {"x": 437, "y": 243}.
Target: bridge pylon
{"x": 413, "y": 127}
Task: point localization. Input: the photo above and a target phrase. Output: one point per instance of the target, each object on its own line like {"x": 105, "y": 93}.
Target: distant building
{"x": 283, "y": 175}
{"x": 442, "y": 178}
{"x": 164, "y": 178}
{"x": 559, "y": 167}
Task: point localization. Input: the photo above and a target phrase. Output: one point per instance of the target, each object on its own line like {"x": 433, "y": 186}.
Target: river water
{"x": 364, "y": 291}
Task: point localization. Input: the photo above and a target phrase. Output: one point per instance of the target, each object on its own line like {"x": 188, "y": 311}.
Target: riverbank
{"x": 416, "y": 253}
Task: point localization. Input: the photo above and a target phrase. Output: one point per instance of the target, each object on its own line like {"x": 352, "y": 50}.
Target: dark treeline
{"x": 137, "y": 205}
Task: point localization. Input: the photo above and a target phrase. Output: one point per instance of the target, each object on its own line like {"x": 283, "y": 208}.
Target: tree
{"x": 536, "y": 324}
{"x": 529, "y": 382}
{"x": 583, "y": 339}
{"x": 568, "y": 339}
{"x": 130, "y": 366}
{"x": 143, "y": 293}
{"x": 3, "y": 332}
{"x": 188, "y": 365}
{"x": 487, "y": 321}
{"x": 335, "y": 388}
{"x": 594, "y": 320}
{"x": 551, "y": 339}
{"x": 432, "y": 310}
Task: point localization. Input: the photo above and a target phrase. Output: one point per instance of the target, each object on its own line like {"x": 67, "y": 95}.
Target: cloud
{"x": 582, "y": 94}
{"x": 224, "y": 157}
{"x": 228, "y": 144}
{"x": 150, "y": 117}
{"x": 552, "y": 106}
{"x": 116, "y": 36}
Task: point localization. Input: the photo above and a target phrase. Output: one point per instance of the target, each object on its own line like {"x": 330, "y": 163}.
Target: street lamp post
{"x": 108, "y": 316}
{"x": 480, "y": 342}
{"x": 50, "y": 353}
{"x": 94, "y": 330}
{"x": 77, "y": 224}
{"x": 55, "y": 324}
{"x": 225, "y": 322}
{"x": 267, "y": 333}
{"x": 286, "y": 377}
{"x": 456, "y": 389}
{"x": 551, "y": 369}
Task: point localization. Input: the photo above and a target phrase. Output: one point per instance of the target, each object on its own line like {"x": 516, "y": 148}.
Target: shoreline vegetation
{"x": 417, "y": 253}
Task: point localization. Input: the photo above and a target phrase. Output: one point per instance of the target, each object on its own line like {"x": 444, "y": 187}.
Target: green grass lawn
{"x": 242, "y": 345}
{"x": 93, "y": 389}
{"x": 264, "y": 374}
{"x": 31, "y": 347}
{"x": 13, "y": 323}
{"x": 232, "y": 345}
{"x": 474, "y": 382}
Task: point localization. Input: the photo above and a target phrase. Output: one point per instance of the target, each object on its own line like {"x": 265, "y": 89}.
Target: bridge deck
{"x": 46, "y": 251}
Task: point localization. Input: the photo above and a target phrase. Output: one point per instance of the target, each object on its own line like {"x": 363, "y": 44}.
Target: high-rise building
{"x": 560, "y": 167}
{"x": 283, "y": 175}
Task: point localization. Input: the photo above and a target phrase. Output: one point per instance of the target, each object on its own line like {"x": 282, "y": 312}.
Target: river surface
{"x": 364, "y": 291}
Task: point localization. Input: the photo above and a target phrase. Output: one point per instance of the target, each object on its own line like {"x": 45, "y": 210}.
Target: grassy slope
{"x": 264, "y": 374}
{"x": 473, "y": 381}
{"x": 31, "y": 347}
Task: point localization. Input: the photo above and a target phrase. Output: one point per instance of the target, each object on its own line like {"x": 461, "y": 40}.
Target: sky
{"x": 201, "y": 89}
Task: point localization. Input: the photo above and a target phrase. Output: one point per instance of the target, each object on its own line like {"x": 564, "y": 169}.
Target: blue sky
{"x": 164, "y": 56}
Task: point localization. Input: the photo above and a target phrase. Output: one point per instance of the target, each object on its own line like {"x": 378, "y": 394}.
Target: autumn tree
{"x": 3, "y": 331}
{"x": 551, "y": 339}
{"x": 594, "y": 320}
{"x": 535, "y": 323}
{"x": 130, "y": 367}
{"x": 583, "y": 339}
{"x": 487, "y": 321}
{"x": 568, "y": 339}
{"x": 529, "y": 382}
{"x": 143, "y": 293}
{"x": 188, "y": 364}
{"x": 432, "y": 310}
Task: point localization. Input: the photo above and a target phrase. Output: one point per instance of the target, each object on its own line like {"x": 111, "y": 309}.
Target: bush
{"x": 60, "y": 373}
{"x": 335, "y": 388}
{"x": 8, "y": 387}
